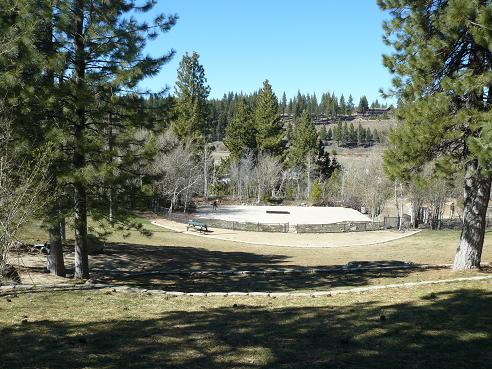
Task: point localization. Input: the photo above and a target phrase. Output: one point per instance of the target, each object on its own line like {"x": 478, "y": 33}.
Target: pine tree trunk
{"x": 56, "y": 264}
{"x": 110, "y": 204}
{"x": 63, "y": 229}
{"x": 80, "y": 194}
{"x": 81, "y": 252}
{"x": 111, "y": 192}
{"x": 205, "y": 172}
{"x": 476, "y": 196}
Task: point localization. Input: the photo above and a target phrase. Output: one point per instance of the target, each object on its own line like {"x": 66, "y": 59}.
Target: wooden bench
{"x": 199, "y": 226}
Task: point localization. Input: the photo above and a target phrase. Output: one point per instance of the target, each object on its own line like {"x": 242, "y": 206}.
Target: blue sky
{"x": 311, "y": 45}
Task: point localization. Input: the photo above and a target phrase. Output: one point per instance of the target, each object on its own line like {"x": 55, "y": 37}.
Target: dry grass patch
{"x": 412, "y": 328}
{"x": 167, "y": 251}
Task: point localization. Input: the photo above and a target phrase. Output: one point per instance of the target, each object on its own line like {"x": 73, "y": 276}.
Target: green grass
{"x": 431, "y": 247}
{"x": 430, "y": 326}
{"x": 427, "y": 247}
{"x": 440, "y": 326}
{"x": 291, "y": 282}
{"x": 167, "y": 251}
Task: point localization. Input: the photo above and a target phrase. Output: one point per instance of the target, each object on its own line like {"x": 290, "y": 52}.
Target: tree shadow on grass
{"x": 271, "y": 282}
{"x": 164, "y": 267}
{"x": 451, "y": 329}
{"x": 178, "y": 268}
{"x": 122, "y": 257}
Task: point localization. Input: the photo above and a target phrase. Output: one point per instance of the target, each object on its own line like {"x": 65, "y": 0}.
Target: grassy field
{"x": 167, "y": 252}
{"x": 427, "y": 247}
{"x": 440, "y": 326}
{"x": 184, "y": 252}
{"x": 431, "y": 326}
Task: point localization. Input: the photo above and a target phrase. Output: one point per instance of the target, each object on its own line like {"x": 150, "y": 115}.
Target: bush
{"x": 316, "y": 193}
{"x": 265, "y": 199}
{"x": 290, "y": 192}
{"x": 219, "y": 189}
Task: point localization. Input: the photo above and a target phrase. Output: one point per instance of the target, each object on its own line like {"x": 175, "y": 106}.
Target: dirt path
{"x": 308, "y": 240}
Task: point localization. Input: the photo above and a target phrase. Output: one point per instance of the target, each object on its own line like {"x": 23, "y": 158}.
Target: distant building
{"x": 319, "y": 119}
{"x": 375, "y": 112}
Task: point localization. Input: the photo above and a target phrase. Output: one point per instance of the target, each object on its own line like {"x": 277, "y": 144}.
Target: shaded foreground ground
{"x": 166, "y": 253}
{"x": 298, "y": 282}
{"x": 440, "y": 326}
{"x": 432, "y": 326}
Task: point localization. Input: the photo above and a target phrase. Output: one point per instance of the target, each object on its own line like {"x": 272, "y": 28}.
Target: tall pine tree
{"x": 191, "y": 93}
{"x": 240, "y": 132}
{"x": 442, "y": 62}
{"x": 283, "y": 104}
{"x": 86, "y": 52}
{"x": 363, "y": 105}
{"x": 269, "y": 129}
{"x": 304, "y": 142}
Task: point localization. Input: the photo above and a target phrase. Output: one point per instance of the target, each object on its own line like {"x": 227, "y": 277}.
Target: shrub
{"x": 316, "y": 193}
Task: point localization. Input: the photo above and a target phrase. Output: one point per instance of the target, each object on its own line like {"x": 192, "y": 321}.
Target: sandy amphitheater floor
{"x": 293, "y": 239}
{"x": 297, "y": 214}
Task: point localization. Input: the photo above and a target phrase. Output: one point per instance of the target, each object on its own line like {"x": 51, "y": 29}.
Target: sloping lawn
{"x": 445, "y": 326}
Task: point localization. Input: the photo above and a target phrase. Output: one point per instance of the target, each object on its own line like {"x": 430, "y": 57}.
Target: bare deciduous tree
{"x": 438, "y": 193}
{"x": 242, "y": 176}
{"x": 23, "y": 189}
{"x": 374, "y": 187}
{"x": 365, "y": 185}
{"x": 181, "y": 176}
{"x": 267, "y": 172}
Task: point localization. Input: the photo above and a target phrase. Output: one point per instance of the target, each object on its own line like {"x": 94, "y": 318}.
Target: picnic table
{"x": 199, "y": 226}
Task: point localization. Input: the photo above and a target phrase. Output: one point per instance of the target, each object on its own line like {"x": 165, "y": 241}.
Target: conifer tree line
{"x": 329, "y": 106}
{"x": 269, "y": 160}
{"x": 345, "y": 134}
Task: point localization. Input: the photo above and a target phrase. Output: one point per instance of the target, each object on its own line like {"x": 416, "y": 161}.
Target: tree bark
{"x": 81, "y": 252}
{"x": 111, "y": 192}
{"x": 56, "y": 264}
{"x": 205, "y": 172}
{"x": 111, "y": 204}
{"x": 476, "y": 200}
{"x": 55, "y": 255}
{"x": 63, "y": 229}
{"x": 80, "y": 193}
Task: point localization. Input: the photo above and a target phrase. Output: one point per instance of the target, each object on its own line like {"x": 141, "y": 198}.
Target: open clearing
{"x": 296, "y": 214}
{"x": 306, "y": 240}
{"x": 166, "y": 252}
